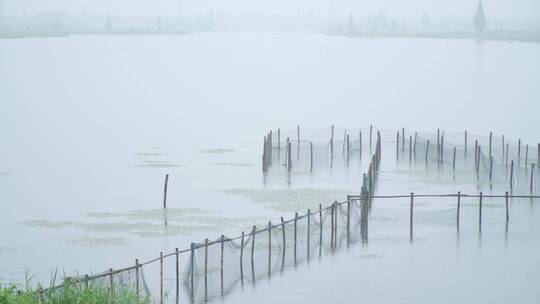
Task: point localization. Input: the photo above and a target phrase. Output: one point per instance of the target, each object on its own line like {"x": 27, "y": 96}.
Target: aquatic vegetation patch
{"x": 86, "y": 241}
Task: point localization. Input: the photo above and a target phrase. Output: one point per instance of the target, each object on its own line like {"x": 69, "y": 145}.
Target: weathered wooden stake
{"x": 454, "y": 162}
{"x": 320, "y": 230}
{"x": 348, "y": 218}
{"x": 283, "y": 235}
{"x": 111, "y": 279}
{"x": 442, "y": 149}
{"x": 295, "y": 234}
{"x": 427, "y": 150}
{"x": 137, "y": 286}
{"x": 205, "y": 269}
{"x": 253, "y": 248}
{"x": 438, "y": 146}
{"x": 490, "y": 140}
{"x": 222, "y": 241}
{"x": 279, "y": 146}
{"x": 491, "y": 170}
{"x": 475, "y": 154}
{"x": 411, "y": 217}
{"x": 241, "y": 259}
{"x": 519, "y": 152}
{"x": 308, "y": 231}
{"x": 512, "y": 175}
{"x": 192, "y": 271}
{"x": 311, "y": 157}
{"x": 165, "y": 191}
{"x": 161, "y": 277}
{"x": 269, "y": 247}
{"x": 177, "y": 286}
{"x": 332, "y": 226}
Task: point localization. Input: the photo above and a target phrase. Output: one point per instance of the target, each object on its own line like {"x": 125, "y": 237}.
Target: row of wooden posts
{"x": 268, "y": 148}
{"x": 477, "y": 154}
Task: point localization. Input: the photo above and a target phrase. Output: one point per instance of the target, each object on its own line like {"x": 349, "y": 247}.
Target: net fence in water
{"x": 217, "y": 267}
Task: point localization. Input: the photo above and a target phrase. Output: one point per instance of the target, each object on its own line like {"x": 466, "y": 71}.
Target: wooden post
{"x": 348, "y": 218}
{"x": 253, "y": 250}
{"x": 222, "y": 241}
{"x": 438, "y": 146}
{"x": 295, "y": 234}
{"x": 137, "y": 286}
{"x": 241, "y": 257}
{"x": 411, "y": 217}
{"x": 490, "y": 140}
{"x": 454, "y": 162}
{"x": 458, "y": 206}
{"x": 320, "y": 229}
{"x": 397, "y": 145}
{"x": 507, "y": 214}
{"x": 283, "y": 236}
{"x": 465, "y": 143}
{"x": 205, "y": 270}
{"x": 427, "y": 150}
{"x": 491, "y": 170}
{"x": 410, "y": 148}
{"x": 442, "y": 149}
{"x": 480, "y": 212}
{"x": 111, "y": 278}
{"x": 512, "y": 175}
{"x": 161, "y": 277}
{"x": 178, "y": 275}
{"x": 269, "y": 247}
{"x": 192, "y": 272}
{"x": 538, "y": 158}
{"x": 308, "y": 231}
{"x": 311, "y": 157}
{"x": 290, "y": 157}
{"x": 475, "y": 154}
{"x": 335, "y": 223}
{"x": 264, "y": 168}
{"x": 348, "y": 149}
{"x": 279, "y": 146}
{"x": 165, "y": 191}
{"x": 332, "y": 226}
{"x": 519, "y": 152}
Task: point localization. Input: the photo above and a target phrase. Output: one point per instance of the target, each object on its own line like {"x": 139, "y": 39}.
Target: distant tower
{"x": 480, "y": 18}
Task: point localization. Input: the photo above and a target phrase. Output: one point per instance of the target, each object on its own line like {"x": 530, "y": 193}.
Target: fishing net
{"x": 217, "y": 267}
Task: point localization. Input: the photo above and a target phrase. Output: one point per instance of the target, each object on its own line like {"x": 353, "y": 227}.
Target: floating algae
{"x": 86, "y": 241}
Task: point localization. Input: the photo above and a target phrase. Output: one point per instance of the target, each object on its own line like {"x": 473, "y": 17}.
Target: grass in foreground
{"x": 72, "y": 293}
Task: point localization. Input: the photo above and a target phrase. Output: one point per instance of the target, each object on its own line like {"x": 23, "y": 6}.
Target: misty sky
{"x": 495, "y": 9}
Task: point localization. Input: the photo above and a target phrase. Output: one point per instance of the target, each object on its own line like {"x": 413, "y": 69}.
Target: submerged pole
{"x": 465, "y": 143}
{"x": 397, "y": 145}
{"x": 506, "y": 200}
{"x": 458, "y": 207}
{"x": 411, "y": 217}
{"x": 165, "y": 191}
